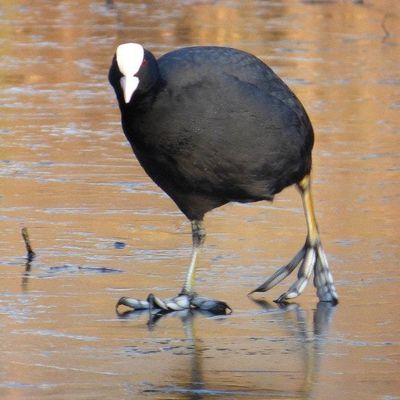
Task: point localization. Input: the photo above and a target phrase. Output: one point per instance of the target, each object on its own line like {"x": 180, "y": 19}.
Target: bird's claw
{"x": 309, "y": 259}
{"x": 181, "y": 302}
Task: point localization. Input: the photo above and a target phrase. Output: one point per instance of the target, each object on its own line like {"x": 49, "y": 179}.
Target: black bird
{"x": 212, "y": 125}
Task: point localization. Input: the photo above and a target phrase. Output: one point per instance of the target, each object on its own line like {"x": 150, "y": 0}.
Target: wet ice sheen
{"x": 68, "y": 175}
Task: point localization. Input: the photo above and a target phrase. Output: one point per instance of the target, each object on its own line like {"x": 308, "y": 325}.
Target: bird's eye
{"x": 144, "y": 63}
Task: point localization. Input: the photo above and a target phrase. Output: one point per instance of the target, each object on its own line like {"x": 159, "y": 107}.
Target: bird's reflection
{"x": 186, "y": 316}
{"x": 196, "y": 389}
{"x": 310, "y": 338}
{"x": 309, "y": 334}
{"x": 294, "y": 318}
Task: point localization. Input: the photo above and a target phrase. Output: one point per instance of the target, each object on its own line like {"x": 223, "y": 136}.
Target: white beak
{"x": 129, "y": 85}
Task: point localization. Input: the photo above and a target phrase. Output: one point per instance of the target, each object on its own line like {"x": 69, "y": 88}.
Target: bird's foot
{"x": 184, "y": 301}
{"x": 311, "y": 258}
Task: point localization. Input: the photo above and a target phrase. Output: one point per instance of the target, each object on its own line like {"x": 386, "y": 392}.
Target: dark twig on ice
{"x": 30, "y": 253}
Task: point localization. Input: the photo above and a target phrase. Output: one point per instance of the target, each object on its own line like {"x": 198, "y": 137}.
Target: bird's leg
{"x": 196, "y": 301}
{"x": 311, "y": 258}
{"x": 198, "y": 238}
{"x": 187, "y": 298}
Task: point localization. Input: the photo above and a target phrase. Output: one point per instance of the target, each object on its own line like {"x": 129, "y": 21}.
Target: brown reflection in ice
{"x": 308, "y": 334}
{"x": 67, "y": 174}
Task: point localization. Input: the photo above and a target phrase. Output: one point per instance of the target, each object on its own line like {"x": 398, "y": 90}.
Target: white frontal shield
{"x": 129, "y": 59}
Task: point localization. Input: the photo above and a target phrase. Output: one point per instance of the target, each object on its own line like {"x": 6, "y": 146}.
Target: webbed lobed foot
{"x": 183, "y": 301}
{"x": 310, "y": 259}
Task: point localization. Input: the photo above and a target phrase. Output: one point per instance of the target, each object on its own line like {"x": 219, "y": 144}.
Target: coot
{"x": 212, "y": 125}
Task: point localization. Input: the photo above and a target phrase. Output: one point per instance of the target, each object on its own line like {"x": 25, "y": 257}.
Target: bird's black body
{"x": 212, "y": 125}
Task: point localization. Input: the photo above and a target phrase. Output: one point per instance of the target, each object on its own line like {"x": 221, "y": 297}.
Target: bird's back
{"x": 187, "y": 65}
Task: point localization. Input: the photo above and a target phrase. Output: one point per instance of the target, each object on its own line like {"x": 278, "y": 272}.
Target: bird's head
{"x": 133, "y": 70}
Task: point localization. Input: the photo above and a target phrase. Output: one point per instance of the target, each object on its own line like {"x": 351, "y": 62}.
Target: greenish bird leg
{"x": 198, "y": 238}
{"x": 187, "y": 298}
{"x": 311, "y": 258}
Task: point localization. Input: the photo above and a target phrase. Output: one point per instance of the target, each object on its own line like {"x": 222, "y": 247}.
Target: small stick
{"x": 31, "y": 254}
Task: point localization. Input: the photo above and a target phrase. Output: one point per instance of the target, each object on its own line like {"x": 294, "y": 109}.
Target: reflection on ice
{"x": 310, "y": 338}
{"x": 67, "y": 174}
